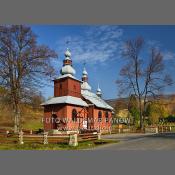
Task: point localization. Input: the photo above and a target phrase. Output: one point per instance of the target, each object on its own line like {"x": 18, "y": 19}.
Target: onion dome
{"x": 67, "y": 64}
{"x": 85, "y": 85}
{"x": 99, "y": 92}
{"x": 68, "y": 69}
{"x": 67, "y": 53}
{"x": 85, "y": 72}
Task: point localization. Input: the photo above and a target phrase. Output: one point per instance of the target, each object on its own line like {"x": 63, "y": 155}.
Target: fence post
{"x": 31, "y": 132}
{"x": 73, "y": 140}
{"x": 99, "y": 135}
{"x": 157, "y": 130}
{"x": 109, "y": 130}
{"x": 45, "y": 141}
{"x": 21, "y": 138}
{"x": 7, "y": 132}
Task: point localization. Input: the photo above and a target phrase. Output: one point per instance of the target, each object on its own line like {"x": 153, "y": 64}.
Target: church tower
{"x": 67, "y": 84}
{"x": 85, "y": 85}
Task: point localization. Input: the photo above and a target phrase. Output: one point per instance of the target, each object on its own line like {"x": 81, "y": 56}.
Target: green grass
{"x": 173, "y": 129}
{"x": 33, "y": 146}
{"x": 33, "y": 125}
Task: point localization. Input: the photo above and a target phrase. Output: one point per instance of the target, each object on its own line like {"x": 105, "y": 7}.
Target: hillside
{"x": 167, "y": 101}
{"x": 31, "y": 113}
{"x": 31, "y": 119}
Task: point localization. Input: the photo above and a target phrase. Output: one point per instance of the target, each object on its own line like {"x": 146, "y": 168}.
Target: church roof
{"x": 67, "y": 75}
{"x": 67, "y": 100}
{"x": 94, "y": 99}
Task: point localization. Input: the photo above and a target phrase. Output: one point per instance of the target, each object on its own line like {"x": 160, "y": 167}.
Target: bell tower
{"x": 66, "y": 84}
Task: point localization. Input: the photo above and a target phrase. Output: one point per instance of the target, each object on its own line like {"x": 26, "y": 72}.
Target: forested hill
{"x": 31, "y": 112}
{"x": 166, "y": 100}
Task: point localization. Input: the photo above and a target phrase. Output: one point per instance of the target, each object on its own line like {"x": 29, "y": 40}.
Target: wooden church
{"x": 74, "y": 106}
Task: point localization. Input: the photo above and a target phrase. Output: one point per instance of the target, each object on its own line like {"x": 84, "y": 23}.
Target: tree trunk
{"x": 17, "y": 115}
{"x": 17, "y": 119}
{"x": 140, "y": 113}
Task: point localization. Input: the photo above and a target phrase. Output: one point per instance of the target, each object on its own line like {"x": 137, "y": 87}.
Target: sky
{"x": 100, "y": 48}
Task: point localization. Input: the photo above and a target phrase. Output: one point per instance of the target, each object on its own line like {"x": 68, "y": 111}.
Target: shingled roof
{"x": 67, "y": 100}
{"x": 94, "y": 99}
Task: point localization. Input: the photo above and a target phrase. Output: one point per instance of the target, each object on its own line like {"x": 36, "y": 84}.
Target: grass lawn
{"x": 33, "y": 146}
{"x": 33, "y": 125}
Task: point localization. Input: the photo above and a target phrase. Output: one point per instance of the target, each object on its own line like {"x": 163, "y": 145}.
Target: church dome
{"x": 68, "y": 69}
{"x": 85, "y": 72}
{"x": 67, "y": 66}
{"x": 99, "y": 92}
{"x": 85, "y": 86}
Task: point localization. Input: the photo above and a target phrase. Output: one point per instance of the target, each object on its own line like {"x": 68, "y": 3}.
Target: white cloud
{"x": 153, "y": 43}
{"x": 95, "y": 44}
{"x": 168, "y": 55}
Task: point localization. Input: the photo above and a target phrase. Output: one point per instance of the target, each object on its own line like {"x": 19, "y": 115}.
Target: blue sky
{"x": 100, "y": 47}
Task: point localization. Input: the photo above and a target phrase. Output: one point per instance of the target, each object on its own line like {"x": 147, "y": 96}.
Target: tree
{"x": 143, "y": 77}
{"x": 36, "y": 101}
{"x": 120, "y": 104}
{"x": 24, "y": 64}
{"x": 153, "y": 112}
{"x": 133, "y": 108}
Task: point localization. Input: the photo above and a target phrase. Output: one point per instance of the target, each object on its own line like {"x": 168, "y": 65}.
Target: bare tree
{"x": 24, "y": 64}
{"x": 143, "y": 77}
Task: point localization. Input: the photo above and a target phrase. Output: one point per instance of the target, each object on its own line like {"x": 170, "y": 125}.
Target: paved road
{"x": 140, "y": 142}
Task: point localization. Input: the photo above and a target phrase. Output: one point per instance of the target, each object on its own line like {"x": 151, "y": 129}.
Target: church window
{"x": 107, "y": 116}
{"x": 99, "y": 116}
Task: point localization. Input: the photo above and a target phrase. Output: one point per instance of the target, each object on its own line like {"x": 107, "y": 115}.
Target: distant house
{"x": 74, "y": 106}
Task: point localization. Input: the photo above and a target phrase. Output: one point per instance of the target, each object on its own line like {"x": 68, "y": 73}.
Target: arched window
{"x": 99, "y": 116}
{"x": 74, "y": 115}
{"x": 107, "y": 116}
